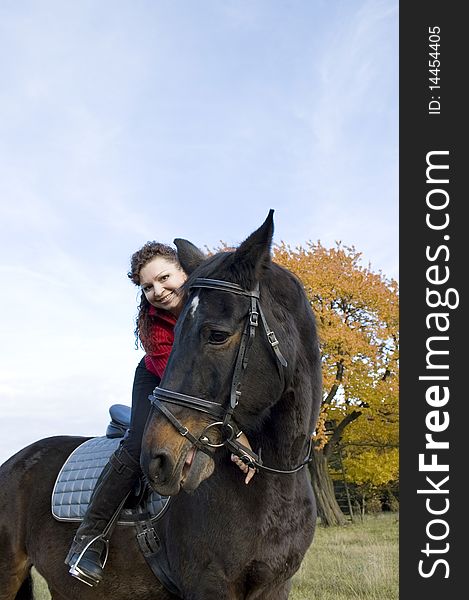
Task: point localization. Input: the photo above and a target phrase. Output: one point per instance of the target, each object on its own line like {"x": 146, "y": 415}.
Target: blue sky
{"x": 122, "y": 122}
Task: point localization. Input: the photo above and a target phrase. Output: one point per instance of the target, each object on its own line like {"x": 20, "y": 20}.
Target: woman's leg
{"x": 144, "y": 384}
{"x": 119, "y": 475}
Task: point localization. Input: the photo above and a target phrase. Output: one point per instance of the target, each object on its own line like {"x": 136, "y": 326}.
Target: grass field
{"x": 356, "y": 562}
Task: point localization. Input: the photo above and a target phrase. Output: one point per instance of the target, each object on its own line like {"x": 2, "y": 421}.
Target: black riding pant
{"x": 144, "y": 384}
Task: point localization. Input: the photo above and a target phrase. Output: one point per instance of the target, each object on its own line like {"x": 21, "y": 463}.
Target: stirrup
{"x": 83, "y": 576}
{"x": 76, "y": 572}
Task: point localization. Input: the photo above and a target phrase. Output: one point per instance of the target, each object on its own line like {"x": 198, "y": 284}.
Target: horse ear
{"x": 253, "y": 255}
{"x": 189, "y": 256}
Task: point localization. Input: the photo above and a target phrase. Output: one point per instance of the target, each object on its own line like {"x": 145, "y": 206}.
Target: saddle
{"x": 78, "y": 476}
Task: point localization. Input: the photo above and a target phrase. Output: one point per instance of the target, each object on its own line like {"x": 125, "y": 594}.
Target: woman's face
{"x": 160, "y": 279}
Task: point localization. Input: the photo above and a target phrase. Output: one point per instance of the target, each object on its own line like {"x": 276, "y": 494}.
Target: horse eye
{"x": 218, "y": 337}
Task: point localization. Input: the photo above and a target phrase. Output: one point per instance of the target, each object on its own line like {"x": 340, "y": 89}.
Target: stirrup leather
{"x": 81, "y": 575}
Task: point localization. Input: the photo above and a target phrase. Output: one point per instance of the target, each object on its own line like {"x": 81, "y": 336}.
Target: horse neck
{"x": 285, "y": 436}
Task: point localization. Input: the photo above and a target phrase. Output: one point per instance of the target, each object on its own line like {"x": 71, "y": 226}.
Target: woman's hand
{"x": 250, "y": 472}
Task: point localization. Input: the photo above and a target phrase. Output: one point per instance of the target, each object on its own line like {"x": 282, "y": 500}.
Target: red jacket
{"x": 159, "y": 346}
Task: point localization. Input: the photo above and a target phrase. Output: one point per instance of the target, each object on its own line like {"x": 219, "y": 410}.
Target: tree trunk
{"x": 328, "y": 509}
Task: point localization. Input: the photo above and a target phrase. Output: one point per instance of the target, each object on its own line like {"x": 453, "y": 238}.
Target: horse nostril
{"x": 160, "y": 466}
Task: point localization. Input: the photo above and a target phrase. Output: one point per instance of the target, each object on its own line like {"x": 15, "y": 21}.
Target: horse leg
{"x": 26, "y": 590}
{"x": 15, "y": 573}
{"x": 15, "y": 563}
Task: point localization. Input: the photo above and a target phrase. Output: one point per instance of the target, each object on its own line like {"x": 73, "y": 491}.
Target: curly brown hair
{"x": 139, "y": 259}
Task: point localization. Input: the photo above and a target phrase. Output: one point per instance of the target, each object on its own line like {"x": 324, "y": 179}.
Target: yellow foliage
{"x": 357, "y": 314}
{"x": 371, "y": 466}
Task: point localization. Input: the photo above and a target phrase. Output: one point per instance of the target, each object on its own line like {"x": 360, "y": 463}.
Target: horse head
{"x": 244, "y": 358}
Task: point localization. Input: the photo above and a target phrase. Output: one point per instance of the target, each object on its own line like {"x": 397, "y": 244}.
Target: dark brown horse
{"x": 222, "y": 539}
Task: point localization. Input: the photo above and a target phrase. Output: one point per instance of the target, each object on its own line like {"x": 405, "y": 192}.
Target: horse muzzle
{"x": 170, "y": 467}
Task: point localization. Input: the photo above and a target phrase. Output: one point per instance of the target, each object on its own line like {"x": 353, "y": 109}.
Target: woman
{"x": 156, "y": 270}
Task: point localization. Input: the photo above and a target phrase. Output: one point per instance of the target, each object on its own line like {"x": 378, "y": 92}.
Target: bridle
{"x": 223, "y": 416}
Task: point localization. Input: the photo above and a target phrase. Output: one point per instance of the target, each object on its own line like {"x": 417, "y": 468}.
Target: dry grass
{"x": 359, "y": 562}
{"x": 356, "y": 562}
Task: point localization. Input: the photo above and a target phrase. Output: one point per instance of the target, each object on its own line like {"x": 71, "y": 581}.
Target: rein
{"x": 223, "y": 417}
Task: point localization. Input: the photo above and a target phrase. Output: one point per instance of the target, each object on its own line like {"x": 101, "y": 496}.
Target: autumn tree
{"x": 357, "y": 316}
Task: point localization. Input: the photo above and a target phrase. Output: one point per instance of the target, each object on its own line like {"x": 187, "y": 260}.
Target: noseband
{"x": 223, "y": 415}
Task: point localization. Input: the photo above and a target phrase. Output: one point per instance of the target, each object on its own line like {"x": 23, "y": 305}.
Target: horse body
{"x": 223, "y": 540}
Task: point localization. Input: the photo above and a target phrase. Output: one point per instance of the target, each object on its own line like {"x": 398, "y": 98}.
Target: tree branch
{"x": 370, "y": 444}
{"x": 335, "y": 437}
{"x": 338, "y": 380}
